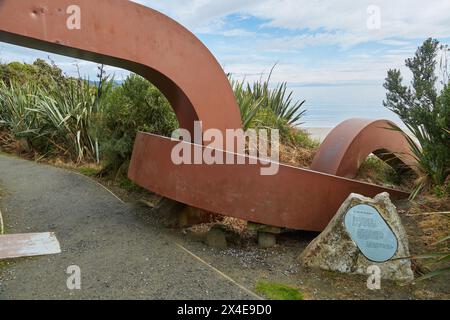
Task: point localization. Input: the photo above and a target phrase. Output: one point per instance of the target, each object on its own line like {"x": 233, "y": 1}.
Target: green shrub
{"x": 134, "y": 106}
{"x": 40, "y": 72}
{"x": 425, "y": 110}
{"x": 378, "y": 171}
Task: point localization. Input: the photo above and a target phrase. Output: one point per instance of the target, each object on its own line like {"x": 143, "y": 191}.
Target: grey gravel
{"x": 121, "y": 254}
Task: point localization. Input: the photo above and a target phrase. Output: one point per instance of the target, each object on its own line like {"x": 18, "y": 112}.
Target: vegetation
{"x": 425, "y": 110}
{"x": 134, "y": 106}
{"x": 39, "y": 72}
{"x": 58, "y": 116}
{"x": 259, "y": 95}
{"x": 88, "y": 171}
{"x": 46, "y": 114}
{"x": 262, "y": 106}
{"x": 275, "y": 291}
{"x": 437, "y": 258}
{"x": 375, "y": 170}
{"x": 52, "y": 120}
{"x": 249, "y": 106}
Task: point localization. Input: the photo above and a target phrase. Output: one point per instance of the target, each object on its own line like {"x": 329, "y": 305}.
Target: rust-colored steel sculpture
{"x": 350, "y": 143}
{"x": 294, "y": 198}
{"x": 133, "y": 37}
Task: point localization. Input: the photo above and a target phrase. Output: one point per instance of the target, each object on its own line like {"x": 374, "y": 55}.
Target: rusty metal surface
{"x": 294, "y": 198}
{"x": 351, "y": 142}
{"x": 130, "y": 36}
{"x": 28, "y": 245}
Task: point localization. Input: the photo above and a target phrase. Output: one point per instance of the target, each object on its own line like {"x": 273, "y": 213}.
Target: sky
{"x": 333, "y": 53}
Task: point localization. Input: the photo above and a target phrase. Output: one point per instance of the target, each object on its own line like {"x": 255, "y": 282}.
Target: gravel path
{"x": 120, "y": 256}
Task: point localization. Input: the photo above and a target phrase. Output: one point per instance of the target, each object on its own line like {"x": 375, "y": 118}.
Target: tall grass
{"x": 431, "y": 171}
{"x": 66, "y": 118}
{"x": 57, "y": 119}
{"x": 260, "y": 95}
{"x": 439, "y": 258}
{"x": 248, "y": 104}
{"x": 15, "y": 113}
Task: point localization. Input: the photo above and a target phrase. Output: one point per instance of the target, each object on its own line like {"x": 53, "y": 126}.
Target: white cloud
{"x": 313, "y": 24}
{"x": 400, "y": 18}
{"x": 238, "y": 33}
{"x": 354, "y": 70}
{"x": 323, "y": 48}
{"x": 290, "y": 31}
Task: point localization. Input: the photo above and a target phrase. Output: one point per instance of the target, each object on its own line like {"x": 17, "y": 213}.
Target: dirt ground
{"x": 130, "y": 253}
{"x": 247, "y": 264}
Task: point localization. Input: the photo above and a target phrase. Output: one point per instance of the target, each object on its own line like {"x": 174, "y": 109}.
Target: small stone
{"x": 266, "y": 240}
{"x": 216, "y": 238}
{"x": 335, "y": 250}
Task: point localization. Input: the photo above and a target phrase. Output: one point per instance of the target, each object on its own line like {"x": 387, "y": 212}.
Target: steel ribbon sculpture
{"x": 130, "y": 36}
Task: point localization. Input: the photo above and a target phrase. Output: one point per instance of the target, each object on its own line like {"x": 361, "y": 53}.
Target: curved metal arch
{"x": 133, "y": 37}
{"x": 130, "y": 36}
{"x": 351, "y": 142}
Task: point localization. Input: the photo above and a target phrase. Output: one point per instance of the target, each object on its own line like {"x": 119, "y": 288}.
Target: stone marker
{"x": 364, "y": 232}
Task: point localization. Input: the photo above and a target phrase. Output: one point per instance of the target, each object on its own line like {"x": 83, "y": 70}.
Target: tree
{"x": 425, "y": 110}
{"x": 40, "y": 72}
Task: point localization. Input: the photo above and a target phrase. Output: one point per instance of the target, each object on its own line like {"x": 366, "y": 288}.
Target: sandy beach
{"x": 321, "y": 133}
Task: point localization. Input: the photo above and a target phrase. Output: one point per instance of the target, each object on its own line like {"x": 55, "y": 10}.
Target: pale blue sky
{"x": 324, "y": 48}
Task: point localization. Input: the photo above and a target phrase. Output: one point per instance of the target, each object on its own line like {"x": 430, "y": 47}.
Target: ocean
{"x": 327, "y": 106}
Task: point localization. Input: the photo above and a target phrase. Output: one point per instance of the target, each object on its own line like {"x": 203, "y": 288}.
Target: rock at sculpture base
{"x": 178, "y": 215}
{"x": 335, "y": 250}
{"x": 216, "y": 238}
{"x": 266, "y": 240}
{"x": 191, "y": 216}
